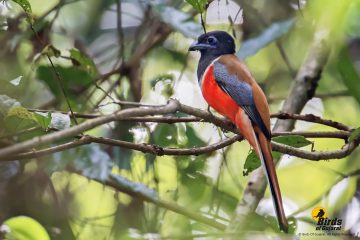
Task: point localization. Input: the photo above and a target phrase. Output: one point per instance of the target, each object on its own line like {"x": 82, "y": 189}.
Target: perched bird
{"x": 229, "y": 88}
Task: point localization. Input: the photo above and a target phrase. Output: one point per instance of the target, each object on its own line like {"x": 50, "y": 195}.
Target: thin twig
{"x": 195, "y": 151}
{"x": 312, "y": 118}
{"x": 56, "y": 72}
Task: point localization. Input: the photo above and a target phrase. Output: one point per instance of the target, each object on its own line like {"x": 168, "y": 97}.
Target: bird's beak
{"x": 196, "y": 46}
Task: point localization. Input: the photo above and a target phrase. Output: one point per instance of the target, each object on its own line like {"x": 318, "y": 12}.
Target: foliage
{"x": 293, "y": 141}
{"x": 354, "y": 134}
{"x": 199, "y": 5}
{"x": 15, "y": 117}
{"x": 25, "y": 228}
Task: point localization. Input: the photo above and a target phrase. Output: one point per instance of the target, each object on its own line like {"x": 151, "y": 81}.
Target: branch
{"x": 160, "y": 151}
{"x": 198, "y": 150}
{"x": 316, "y": 156}
{"x": 171, "y": 107}
{"x": 338, "y": 134}
{"x": 308, "y": 118}
{"x": 142, "y": 147}
{"x": 198, "y": 115}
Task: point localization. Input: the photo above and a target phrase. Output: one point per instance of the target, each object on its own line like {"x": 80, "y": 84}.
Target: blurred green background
{"x": 143, "y": 45}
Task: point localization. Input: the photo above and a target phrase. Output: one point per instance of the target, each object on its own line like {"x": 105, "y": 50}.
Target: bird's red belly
{"x": 216, "y": 97}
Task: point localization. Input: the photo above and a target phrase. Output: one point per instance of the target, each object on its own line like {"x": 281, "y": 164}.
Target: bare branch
{"x": 143, "y": 147}
{"x": 338, "y": 134}
{"x": 316, "y": 156}
{"x": 160, "y": 151}
{"x": 51, "y": 150}
{"x": 171, "y": 107}
{"x": 196, "y": 150}
{"x": 311, "y": 118}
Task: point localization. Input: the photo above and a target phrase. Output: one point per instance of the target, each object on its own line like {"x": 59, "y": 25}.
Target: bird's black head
{"x": 211, "y": 46}
{"x": 214, "y": 43}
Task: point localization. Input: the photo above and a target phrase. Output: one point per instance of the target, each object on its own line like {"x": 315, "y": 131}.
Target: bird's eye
{"x": 211, "y": 40}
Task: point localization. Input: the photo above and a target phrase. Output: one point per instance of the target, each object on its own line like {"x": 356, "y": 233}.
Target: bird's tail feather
{"x": 264, "y": 153}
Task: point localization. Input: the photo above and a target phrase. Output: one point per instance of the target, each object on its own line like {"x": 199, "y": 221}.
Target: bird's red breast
{"x": 215, "y": 96}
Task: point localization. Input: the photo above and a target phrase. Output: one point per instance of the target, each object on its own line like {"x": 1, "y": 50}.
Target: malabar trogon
{"x": 229, "y": 88}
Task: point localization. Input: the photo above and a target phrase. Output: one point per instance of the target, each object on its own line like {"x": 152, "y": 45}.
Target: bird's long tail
{"x": 264, "y": 153}
{"x": 263, "y": 149}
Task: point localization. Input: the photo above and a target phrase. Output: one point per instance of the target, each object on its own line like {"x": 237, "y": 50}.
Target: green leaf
{"x": 350, "y": 75}
{"x": 292, "y": 225}
{"x": 178, "y": 20}
{"x": 25, "y": 5}
{"x": 199, "y": 5}
{"x": 25, "y": 228}
{"x": 354, "y": 134}
{"x": 72, "y": 78}
{"x": 83, "y": 61}
{"x": 20, "y": 112}
{"x": 252, "y": 162}
{"x": 43, "y": 119}
{"x": 293, "y": 141}
{"x": 18, "y": 118}
{"x": 272, "y": 33}
{"x": 7, "y": 103}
